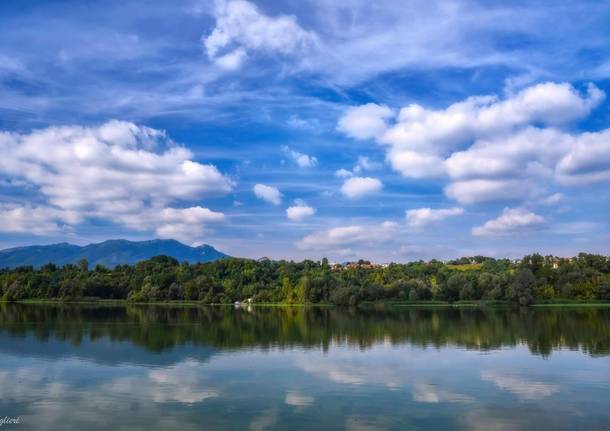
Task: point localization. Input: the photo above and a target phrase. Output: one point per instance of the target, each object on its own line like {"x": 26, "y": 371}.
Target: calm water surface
{"x": 88, "y": 367}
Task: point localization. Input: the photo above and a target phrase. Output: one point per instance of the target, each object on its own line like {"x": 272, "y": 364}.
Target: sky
{"x": 387, "y": 130}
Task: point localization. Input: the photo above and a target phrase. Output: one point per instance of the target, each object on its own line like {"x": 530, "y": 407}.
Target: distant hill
{"x": 108, "y": 253}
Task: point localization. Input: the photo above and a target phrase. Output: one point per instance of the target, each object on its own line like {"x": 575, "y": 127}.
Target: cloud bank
{"x": 118, "y": 171}
{"x": 490, "y": 149}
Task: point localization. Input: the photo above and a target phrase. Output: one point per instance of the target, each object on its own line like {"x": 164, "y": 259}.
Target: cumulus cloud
{"x": 41, "y": 220}
{"x": 491, "y": 149}
{"x": 241, "y": 28}
{"x": 358, "y": 187}
{"x": 366, "y": 121}
{"x": 185, "y": 223}
{"x": 485, "y": 190}
{"x": 511, "y": 167}
{"x": 119, "y": 171}
{"x": 340, "y": 237}
{"x": 512, "y": 220}
{"x": 299, "y": 211}
{"x": 421, "y": 217}
{"x": 343, "y": 173}
{"x": 416, "y": 165}
{"x": 437, "y": 131}
{"x": 302, "y": 160}
{"x": 588, "y": 159}
{"x": 268, "y": 193}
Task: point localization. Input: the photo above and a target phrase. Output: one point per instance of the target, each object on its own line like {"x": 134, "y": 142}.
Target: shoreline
{"x": 377, "y": 304}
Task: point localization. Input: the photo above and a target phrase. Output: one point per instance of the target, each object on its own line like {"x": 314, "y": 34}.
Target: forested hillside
{"x": 109, "y": 253}
{"x": 532, "y": 279}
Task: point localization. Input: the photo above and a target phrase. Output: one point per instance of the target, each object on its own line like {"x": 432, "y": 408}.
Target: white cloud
{"x": 358, "y": 187}
{"x": 528, "y": 165}
{"x": 416, "y": 165}
{"x": 41, "y": 220}
{"x": 507, "y": 155}
{"x": 299, "y": 211}
{"x": 305, "y": 161}
{"x": 439, "y": 131}
{"x": 363, "y": 164}
{"x": 478, "y": 190}
{"x": 553, "y": 199}
{"x": 424, "y": 216}
{"x": 365, "y": 121}
{"x": 512, "y": 220}
{"x": 489, "y": 149}
{"x": 232, "y": 60}
{"x": 343, "y": 173}
{"x": 186, "y": 223}
{"x": 302, "y": 160}
{"x": 268, "y": 193}
{"x": 588, "y": 159}
{"x": 118, "y": 171}
{"x": 241, "y": 28}
{"x": 340, "y": 237}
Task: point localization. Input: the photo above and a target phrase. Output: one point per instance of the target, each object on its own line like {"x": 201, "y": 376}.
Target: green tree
{"x": 83, "y": 265}
{"x": 521, "y": 289}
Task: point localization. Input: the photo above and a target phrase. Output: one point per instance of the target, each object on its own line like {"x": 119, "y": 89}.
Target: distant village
{"x": 553, "y": 261}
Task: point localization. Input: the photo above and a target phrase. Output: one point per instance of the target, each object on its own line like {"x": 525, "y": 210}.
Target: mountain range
{"x": 108, "y": 253}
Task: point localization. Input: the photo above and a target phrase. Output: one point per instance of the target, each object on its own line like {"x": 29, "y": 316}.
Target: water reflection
{"x": 159, "y": 367}
{"x": 164, "y": 328}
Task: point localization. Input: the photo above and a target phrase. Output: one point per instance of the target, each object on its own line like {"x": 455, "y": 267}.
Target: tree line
{"x": 534, "y": 278}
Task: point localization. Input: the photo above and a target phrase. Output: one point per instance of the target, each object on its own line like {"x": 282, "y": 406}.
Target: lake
{"x": 69, "y": 366}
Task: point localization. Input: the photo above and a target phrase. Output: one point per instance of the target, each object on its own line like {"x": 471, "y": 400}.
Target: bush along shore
{"x": 535, "y": 279}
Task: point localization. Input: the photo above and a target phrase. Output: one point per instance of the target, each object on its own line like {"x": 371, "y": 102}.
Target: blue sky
{"x": 384, "y": 130}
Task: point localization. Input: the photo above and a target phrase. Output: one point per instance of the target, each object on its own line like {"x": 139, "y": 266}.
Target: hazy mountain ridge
{"x": 108, "y": 253}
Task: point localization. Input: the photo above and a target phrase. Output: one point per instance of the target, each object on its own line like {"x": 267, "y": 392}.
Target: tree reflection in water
{"x": 161, "y": 328}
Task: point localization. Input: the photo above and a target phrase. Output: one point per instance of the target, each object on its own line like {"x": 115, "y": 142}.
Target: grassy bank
{"x": 460, "y": 304}
{"x": 561, "y": 303}
{"x": 174, "y": 303}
